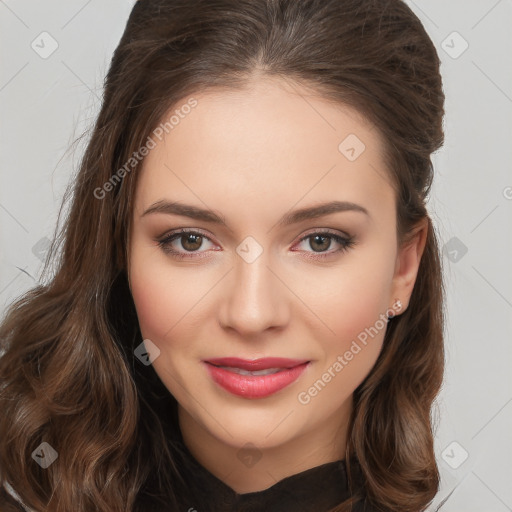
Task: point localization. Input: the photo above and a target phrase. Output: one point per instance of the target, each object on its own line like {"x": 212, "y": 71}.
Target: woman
{"x": 247, "y": 310}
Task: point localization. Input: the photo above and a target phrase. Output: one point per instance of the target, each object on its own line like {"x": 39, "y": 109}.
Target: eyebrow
{"x": 293, "y": 217}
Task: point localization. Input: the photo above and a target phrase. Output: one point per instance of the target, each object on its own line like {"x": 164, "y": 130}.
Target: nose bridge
{"x": 255, "y": 299}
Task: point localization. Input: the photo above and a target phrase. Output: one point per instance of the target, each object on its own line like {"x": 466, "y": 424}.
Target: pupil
{"x": 197, "y": 238}
{"x": 324, "y": 238}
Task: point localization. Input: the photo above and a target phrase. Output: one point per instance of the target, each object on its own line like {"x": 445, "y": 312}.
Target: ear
{"x": 407, "y": 264}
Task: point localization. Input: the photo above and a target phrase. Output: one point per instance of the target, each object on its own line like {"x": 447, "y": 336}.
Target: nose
{"x": 255, "y": 298}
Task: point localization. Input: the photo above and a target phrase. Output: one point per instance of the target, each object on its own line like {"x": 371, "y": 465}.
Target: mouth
{"x": 255, "y": 365}
{"x": 255, "y": 378}
{"x": 241, "y": 371}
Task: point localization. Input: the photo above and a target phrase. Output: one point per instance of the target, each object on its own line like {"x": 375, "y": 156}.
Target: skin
{"x": 253, "y": 155}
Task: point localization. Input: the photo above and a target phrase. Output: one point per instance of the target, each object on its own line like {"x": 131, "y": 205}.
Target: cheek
{"x": 352, "y": 350}
{"x": 361, "y": 309}
{"x": 352, "y": 302}
{"x": 160, "y": 298}
{"x": 171, "y": 303}
{"x": 349, "y": 299}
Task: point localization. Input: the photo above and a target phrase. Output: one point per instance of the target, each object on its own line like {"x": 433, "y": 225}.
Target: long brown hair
{"x": 68, "y": 372}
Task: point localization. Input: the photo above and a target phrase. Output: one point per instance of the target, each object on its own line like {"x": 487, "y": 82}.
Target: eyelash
{"x": 165, "y": 243}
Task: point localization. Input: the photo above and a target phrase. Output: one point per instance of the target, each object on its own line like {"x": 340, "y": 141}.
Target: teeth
{"x": 240, "y": 371}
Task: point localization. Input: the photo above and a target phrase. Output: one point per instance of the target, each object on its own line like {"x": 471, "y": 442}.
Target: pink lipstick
{"x": 256, "y": 378}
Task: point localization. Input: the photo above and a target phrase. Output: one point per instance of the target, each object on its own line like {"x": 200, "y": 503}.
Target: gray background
{"x": 48, "y": 101}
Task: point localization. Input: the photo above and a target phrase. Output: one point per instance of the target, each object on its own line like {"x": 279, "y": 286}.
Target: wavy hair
{"x": 68, "y": 375}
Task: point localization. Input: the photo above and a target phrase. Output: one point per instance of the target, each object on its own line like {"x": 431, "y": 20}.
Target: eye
{"x": 321, "y": 240}
{"x": 190, "y": 241}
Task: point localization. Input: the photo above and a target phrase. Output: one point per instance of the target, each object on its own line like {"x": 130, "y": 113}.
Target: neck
{"x": 247, "y": 468}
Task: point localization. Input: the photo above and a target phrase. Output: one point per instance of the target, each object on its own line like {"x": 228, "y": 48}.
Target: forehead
{"x": 272, "y": 143}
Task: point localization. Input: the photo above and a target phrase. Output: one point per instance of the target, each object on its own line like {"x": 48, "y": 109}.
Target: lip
{"x": 255, "y": 386}
{"x": 257, "y": 364}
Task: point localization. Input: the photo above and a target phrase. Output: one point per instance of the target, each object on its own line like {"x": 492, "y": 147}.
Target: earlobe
{"x": 395, "y": 310}
{"x": 408, "y": 262}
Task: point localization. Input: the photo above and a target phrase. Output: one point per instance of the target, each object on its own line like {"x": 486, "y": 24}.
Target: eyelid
{"x": 185, "y": 230}
{"x": 325, "y": 231}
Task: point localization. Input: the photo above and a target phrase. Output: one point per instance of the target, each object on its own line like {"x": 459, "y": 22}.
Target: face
{"x": 254, "y": 275}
